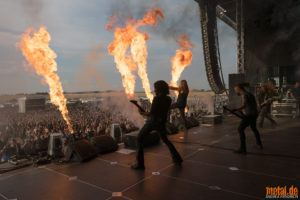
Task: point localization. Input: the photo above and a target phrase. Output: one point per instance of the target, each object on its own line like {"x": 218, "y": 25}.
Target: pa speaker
{"x": 116, "y": 132}
{"x": 55, "y": 145}
{"x": 104, "y": 143}
{"x": 80, "y": 151}
{"x": 130, "y": 139}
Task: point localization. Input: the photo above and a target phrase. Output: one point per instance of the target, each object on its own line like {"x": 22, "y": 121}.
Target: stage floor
{"x": 210, "y": 170}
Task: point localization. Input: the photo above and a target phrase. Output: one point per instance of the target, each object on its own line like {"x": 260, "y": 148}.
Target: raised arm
{"x": 173, "y": 88}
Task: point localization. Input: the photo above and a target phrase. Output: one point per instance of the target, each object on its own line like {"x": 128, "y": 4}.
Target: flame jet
{"x": 182, "y": 59}
{"x": 37, "y": 52}
{"x": 126, "y": 62}
{"x": 139, "y": 55}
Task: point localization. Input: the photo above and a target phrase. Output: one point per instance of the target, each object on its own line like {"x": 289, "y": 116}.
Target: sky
{"x": 79, "y": 39}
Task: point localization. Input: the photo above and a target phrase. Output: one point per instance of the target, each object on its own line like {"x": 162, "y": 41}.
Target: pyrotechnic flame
{"x": 124, "y": 62}
{"x": 182, "y": 59}
{"x": 151, "y": 18}
{"x": 37, "y": 52}
{"x": 127, "y": 37}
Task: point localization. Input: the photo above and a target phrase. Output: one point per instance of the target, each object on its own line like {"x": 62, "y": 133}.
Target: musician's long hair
{"x": 269, "y": 88}
{"x": 184, "y": 86}
{"x": 161, "y": 87}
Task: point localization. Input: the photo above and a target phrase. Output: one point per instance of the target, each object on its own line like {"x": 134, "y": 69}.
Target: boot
{"x": 240, "y": 151}
{"x": 177, "y": 161}
{"x": 138, "y": 166}
{"x": 259, "y": 144}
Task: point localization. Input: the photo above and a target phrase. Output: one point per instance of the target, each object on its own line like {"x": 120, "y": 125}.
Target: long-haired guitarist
{"x": 183, "y": 92}
{"x": 156, "y": 120}
{"x": 264, "y": 102}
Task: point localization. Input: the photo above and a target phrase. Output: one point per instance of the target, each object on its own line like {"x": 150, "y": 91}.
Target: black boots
{"x": 241, "y": 151}
{"x": 177, "y": 161}
{"x": 260, "y": 145}
{"x": 138, "y": 166}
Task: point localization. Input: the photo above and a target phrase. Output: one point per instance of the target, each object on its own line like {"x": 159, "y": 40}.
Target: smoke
{"x": 181, "y": 17}
{"x": 117, "y": 102}
{"x": 33, "y": 9}
{"x": 88, "y": 72}
{"x": 203, "y": 100}
{"x": 208, "y": 101}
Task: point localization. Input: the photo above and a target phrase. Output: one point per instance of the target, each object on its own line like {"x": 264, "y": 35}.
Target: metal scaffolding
{"x": 240, "y": 29}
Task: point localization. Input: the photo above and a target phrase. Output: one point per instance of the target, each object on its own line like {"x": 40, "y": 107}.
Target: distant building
{"x": 31, "y": 103}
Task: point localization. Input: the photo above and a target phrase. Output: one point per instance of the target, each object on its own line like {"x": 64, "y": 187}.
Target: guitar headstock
{"x": 133, "y": 101}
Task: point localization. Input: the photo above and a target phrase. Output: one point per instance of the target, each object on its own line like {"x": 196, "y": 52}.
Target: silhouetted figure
{"x": 249, "y": 108}
{"x": 183, "y": 92}
{"x": 157, "y": 118}
{"x": 265, "y": 102}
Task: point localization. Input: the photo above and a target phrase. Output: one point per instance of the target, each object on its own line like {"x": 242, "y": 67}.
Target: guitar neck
{"x": 137, "y": 105}
{"x": 236, "y": 114}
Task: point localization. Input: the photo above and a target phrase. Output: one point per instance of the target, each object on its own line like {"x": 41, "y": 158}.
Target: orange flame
{"x": 182, "y": 59}
{"x": 124, "y": 62}
{"x": 131, "y": 37}
{"x": 186, "y": 110}
{"x": 39, "y": 55}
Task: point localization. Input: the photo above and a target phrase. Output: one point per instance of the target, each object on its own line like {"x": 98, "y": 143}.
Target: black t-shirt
{"x": 250, "y": 104}
{"x": 160, "y": 108}
{"x": 182, "y": 98}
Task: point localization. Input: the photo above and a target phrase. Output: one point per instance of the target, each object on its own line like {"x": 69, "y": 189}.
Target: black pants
{"x": 182, "y": 113}
{"x": 248, "y": 121}
{"x": 147, "y": 128}
{"x": 265, "y": 113}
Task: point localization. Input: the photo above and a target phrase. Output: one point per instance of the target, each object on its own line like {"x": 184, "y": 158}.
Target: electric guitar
{"x": 266, "y": 101}
{"x": 134, "y": 102}
{"x": 238, "y": 114}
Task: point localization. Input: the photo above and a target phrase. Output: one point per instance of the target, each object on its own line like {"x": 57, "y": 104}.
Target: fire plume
{"x": 127, "y": 61}
{"x": 37, "y": 52}
{"x": 182, "y": 59}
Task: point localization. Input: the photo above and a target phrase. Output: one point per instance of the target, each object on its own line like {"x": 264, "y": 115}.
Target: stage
{"x": 210, "y": 170}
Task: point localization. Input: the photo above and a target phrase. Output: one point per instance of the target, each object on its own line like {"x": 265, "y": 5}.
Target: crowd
{"x": 28, "y": 133}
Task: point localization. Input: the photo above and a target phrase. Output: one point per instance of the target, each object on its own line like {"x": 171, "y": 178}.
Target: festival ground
{"x": 210, "y": 170}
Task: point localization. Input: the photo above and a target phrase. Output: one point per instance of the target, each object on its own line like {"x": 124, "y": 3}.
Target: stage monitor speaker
{"x": 212, "y": 119}
{"x": 80, "y": 151}
{"x": 130, "y": 139}
{"x": 104, "y": 144}
{"x": 192, "y": 122}
{"x": 171, "y": 128}
{"x": 177, "y": 122}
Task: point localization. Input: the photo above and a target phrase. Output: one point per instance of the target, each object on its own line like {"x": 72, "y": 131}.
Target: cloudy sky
{"x": 80, "y": 41}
